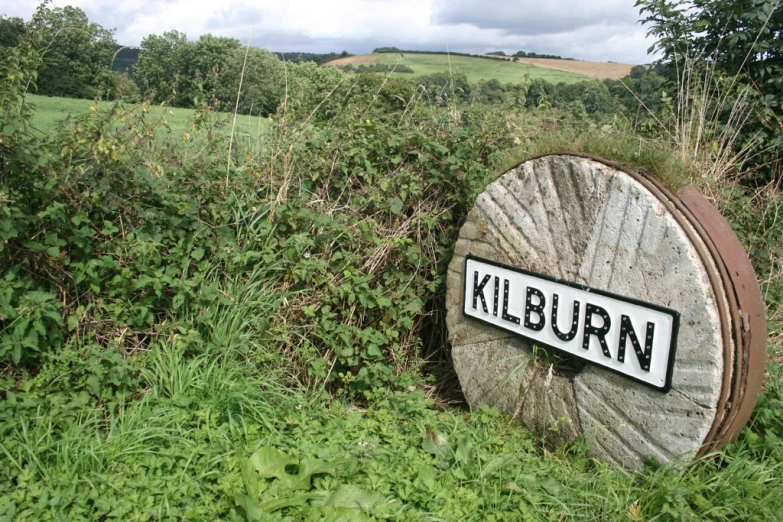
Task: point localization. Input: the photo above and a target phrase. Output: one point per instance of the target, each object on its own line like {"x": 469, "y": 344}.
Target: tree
{"x": 738, "y": 36}
{"x": 311, "y": 87}
{"x": 640, "y": 93}
{"x": 76, "y": 52}
{"x": 539, "y": 93}
{"x": 739, "y": 45}
{"x": 263, "y": 81}
{"x": 11, "y": 29}
{"x": 182, "y": 72}
{"x": 592, "y": 95}
{"x": 491, "y": 92}
{"x": 209, "y": 60}
{"x": 440, "y": 88}
{"x": 161, "y": 68}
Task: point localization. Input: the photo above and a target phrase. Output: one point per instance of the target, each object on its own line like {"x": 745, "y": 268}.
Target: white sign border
{"x": 673, "y": 313}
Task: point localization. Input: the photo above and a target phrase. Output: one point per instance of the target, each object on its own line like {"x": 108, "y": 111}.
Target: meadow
{"x": 476, "y": 69}
{"x": 52, "y": 110}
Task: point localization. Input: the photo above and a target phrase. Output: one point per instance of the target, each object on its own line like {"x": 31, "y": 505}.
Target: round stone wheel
{"x": 590, "y": 222}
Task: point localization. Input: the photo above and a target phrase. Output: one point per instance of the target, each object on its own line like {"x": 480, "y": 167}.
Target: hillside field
{"x": 477, "y": 69}
{"x": 609, "y": 70}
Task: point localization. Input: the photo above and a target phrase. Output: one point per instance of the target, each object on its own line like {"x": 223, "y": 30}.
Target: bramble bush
{"x": 113, "y": 230}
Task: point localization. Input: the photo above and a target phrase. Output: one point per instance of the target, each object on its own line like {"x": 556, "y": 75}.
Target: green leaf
{"x": 270, "y": 462}
{"x": 253, "y": 511}
{"x": 512, "y": 487}
{"x": 352, "y": 497}
{"x": 374, "y": 351}
{"x": 464, "y": 451}
{"x": 277, "y": 504}
{"x": 395, "y": 206}
{"x": 94, "y": 385}
{"x": 307, "y": 468}
{"x": 436, "y": 444}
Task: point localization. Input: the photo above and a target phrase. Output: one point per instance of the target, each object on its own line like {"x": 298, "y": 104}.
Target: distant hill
{"x": 508, "y": 69}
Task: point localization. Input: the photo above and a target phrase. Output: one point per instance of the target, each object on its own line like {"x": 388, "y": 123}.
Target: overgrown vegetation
{"x": 206, "y": 324}
{"x": 725, "y": 57}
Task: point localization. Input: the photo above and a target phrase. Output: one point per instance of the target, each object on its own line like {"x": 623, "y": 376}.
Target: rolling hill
{"x": 477, "y": 68}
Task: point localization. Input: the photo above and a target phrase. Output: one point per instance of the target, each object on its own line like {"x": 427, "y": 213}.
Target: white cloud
{"x": 600, "y": 30}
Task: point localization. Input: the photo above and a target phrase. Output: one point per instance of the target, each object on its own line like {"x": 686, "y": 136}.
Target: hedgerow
{"x": 113, "y": 232}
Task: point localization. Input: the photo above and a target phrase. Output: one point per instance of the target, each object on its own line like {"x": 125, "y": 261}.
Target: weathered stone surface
{"x": 542, "y": 400}
{"x": 582, "y": 221}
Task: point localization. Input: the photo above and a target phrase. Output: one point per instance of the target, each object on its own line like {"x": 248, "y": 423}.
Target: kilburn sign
{"x": 651, "y": 289}
{"x": 625, "y": 335}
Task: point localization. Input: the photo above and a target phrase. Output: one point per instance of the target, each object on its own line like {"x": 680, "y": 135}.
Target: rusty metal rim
{"x": 750, "y": 328}
{"x": 735, "y": 280}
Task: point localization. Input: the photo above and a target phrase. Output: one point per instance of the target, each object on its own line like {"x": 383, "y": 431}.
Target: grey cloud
{"x": 601, "y": 30}
{"x": 533, "y": 18}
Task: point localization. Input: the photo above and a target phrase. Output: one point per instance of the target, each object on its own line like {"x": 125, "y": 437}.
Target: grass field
{"x": 49, "y": 111}
{"x": 476, "y": 69}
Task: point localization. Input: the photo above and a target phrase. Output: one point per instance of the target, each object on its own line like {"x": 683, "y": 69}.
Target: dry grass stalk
{"x": 701, "y": 140}
{"x": 236, "y": 109}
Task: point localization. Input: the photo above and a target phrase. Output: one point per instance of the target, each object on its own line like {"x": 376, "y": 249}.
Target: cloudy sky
{"x": 600, "y": 30}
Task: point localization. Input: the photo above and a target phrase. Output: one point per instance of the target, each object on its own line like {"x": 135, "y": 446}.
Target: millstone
{"x": 584, "y": 221}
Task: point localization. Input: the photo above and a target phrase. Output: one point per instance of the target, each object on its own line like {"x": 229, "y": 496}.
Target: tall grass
{"x": 704, "y": 136}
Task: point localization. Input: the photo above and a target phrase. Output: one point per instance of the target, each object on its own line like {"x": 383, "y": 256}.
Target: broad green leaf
{"x": 253, "y": 511}
{"x": 395, "y": 206}
{"x": 353, "y": 497}
{"x": 373, "y": 350}
{"x": 307, "y": 468}
{"x": 271, "y": 462}
{"x": 464, "y": 451}
{"x": 512, "y": 487}
{"x": 277, "y": 504}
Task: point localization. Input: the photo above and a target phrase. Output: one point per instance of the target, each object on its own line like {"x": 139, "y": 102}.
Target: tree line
{"x": 523, "y": 54}
{"x": 388, "y": 50}
{"x": 83, "y": 60}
